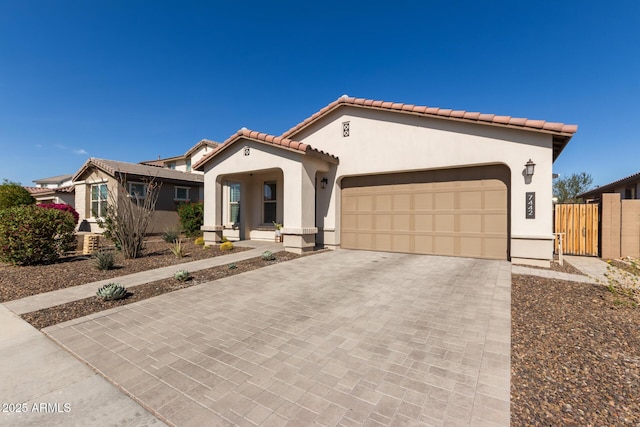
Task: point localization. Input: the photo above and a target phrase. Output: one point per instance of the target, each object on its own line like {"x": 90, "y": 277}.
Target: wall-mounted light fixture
{"x": 530, "y": 167}
{"x": 323, "y": 183}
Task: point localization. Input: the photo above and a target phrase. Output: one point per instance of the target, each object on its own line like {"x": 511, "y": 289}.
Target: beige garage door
{"x": 457, "y": 212}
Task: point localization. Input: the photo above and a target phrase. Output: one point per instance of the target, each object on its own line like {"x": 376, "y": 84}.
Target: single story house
{"x": 55, "y": 189}
{"x": 628, "y": 188}
{"x": 375, "y": 175}
{"x": 97, "y": 177}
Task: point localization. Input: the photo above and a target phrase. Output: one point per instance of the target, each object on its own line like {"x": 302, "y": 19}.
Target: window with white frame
{"x": 172, "y": 165}
{"x": 99, "y": 195}
{"x": 189, "y": 164}
{"x": 234, "y": 203}
{"x": 137, "y": 190}
{"x": 181, "y": 193}
{"x": 269, "y": 207}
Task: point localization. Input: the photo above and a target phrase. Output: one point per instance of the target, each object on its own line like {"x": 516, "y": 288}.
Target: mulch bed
{"x": 19, "y": 282}
{"x": 72, "y": 310}
{"x": 575, "y": 354}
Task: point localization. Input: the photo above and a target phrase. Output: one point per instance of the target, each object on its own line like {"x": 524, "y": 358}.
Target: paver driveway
{"x": 338, "y": 338}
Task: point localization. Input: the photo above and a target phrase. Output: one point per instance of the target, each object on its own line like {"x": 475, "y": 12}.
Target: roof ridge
{"x": 463, "y": 115}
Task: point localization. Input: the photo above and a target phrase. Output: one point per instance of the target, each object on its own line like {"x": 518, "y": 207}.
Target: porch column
{"x": 299, "y": 230}
{"x": 212, "y": 224}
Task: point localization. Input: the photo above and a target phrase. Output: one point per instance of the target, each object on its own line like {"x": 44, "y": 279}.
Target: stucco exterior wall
{"x": 384, "y": 142}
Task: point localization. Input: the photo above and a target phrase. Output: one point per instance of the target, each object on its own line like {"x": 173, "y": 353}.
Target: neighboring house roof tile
{"x": 54, "y": 179}
{"x": 37, "y": 191}
{"x": 264, "y": 138}
{"x": 562, "y": 132}
{"x": 113, "y": 167}
{"x": 161, "y": 162}
{"x": 609, "y": 187}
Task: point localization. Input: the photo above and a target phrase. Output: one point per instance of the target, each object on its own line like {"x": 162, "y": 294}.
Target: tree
{"x": 13, "y": 194}
{"x": 128, "y": 216}
{"x": 567, "y": 189}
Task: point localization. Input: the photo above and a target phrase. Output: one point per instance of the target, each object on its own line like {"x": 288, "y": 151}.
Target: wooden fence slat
{"x": 579, "y": 222}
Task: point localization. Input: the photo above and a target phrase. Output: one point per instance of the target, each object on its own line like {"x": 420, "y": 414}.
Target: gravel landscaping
{"x": 575, "y": 354}
{"x": 72, "y": 310}
{"x": 20, "y": 282}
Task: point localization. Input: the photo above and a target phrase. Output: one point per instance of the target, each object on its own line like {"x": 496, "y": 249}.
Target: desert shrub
{"x": 32, "y": 235}
{"x": 182, "y": 275}
{"x": 191, "y": 218}
{"x": 64, "y": 208}
{"x": 224, "y": 239}
{"x": 104, "y": 259}
{"x": 112, "y": 291}
{"x": 177, "y": 249}
{"x": 13, "y": 194}
{"x": 170, "y": 236}
{"x": 268, "y": 256}
{"x": 226, "y": 246}
{"x": 199, "y": 241}
{"x": 232, "y": 266}
{"x": 127, "y": 217}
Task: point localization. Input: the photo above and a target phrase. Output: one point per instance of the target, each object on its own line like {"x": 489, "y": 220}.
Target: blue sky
{"x": 134, "y": 80}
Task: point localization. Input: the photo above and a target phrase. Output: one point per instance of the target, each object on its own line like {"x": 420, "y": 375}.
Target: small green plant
{"x": 268, "y": 256}
{"x": 177, "y": 249}
{"x": 112, "y": 291}
{"x": 224, "y": 239}
{"x": 191, "y": 218}
{"x": 104, "y": 259}
{"x": 226, "y": 246}
{"x": 199, "y": 241}
{"x": 277, "y": 225}
{"x": 182, "y": 275}
{"x": 170, "y": 236}
{"x": 232, "y": 266}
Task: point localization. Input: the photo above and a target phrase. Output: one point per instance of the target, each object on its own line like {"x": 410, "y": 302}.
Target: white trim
{"x": 144, "y": 187}
{"x": 175, "y": 193}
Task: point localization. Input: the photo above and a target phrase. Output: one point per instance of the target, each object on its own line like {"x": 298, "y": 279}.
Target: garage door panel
{"x": 444, "y": 200}
{"x": 470, "y": 223}
{"x": 445, "y": 222}
{"x": 423, "y": 222}
{"x": 461, "y": 212}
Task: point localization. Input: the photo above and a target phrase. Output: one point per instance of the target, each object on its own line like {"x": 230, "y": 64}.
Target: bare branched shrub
{"x": 128, "y": 216}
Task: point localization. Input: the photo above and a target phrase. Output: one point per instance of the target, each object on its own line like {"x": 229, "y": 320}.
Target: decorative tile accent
{"x": 345, "y": 129}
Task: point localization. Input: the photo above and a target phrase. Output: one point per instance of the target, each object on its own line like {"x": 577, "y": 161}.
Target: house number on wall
{"x": 531, "y": 206}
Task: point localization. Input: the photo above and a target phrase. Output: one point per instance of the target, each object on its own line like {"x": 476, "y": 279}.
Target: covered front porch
{"x": 255, "y": 190}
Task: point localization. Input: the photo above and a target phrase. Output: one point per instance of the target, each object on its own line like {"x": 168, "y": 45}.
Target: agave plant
{"x": 182, "y": 275}
{"x": 268, "y": 256}
{"x": 112, "y": 291}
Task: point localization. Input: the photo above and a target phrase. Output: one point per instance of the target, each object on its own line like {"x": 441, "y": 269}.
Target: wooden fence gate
{"x": 579, "y": 222}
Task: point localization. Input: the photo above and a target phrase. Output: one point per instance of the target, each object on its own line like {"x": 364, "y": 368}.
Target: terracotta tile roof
{"x": 160, "y": 162}
{"x": 45, "y": 190}
{"x": 58, "y": 179}
{"x": 608, "y": 188}
{"x": 113, "y": 167}
{"x": 278, "y": 141}
{"x": 562, "y": 131}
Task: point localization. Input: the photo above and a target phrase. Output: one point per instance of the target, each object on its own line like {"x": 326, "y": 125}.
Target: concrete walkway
{"x": 74, "y": 293}
{"x": 594, "y": 268}
{"x": 42, "y": 384}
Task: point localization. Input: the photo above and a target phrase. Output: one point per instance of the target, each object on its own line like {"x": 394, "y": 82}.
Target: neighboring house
{"x": 191, "y": 157}
{"x": 97, "y": 177}
{"x": 365, "y": 174}
{"x": 56, "y": 189}
{"x": 628, "y": 188}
